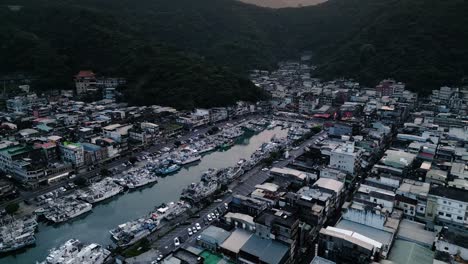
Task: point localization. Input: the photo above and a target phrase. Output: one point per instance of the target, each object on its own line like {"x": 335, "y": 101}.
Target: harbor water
{"x": 95, "y": 226}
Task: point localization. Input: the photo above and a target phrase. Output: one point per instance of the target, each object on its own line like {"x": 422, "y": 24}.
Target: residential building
{"x": 72, "y": 153}
{"x": 448, "y": 206}
{"x": 411, "y": 198}
{"x": 279, "y": 225}
{"x": 345, "y": 157}
{"x": 85, "y": 81}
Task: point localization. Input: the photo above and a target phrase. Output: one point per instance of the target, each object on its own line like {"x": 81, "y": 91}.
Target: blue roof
{"x": 90, "y": 147}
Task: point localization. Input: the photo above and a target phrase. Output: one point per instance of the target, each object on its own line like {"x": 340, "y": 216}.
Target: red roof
{"x": 322, "y": 115}
{"x": 85, "y": 74}
{"x": 49, "y": 145}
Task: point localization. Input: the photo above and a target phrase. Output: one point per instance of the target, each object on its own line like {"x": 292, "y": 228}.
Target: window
{"x": 459, "y": 218}
{"x": 446, "y": 248}
{"x": 405, "y": 205}
{"x": 441, "y": 213}
{"x": 448, "y": 215}
{"x": 445, "y": 202}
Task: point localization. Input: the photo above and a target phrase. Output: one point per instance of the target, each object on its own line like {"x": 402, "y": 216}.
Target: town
{"x": 330, "y": 172}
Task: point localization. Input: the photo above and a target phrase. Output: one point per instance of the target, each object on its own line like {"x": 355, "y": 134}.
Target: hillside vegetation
{"x": 199, "y": 52}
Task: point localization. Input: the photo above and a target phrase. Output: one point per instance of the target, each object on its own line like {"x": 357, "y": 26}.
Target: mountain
{"x": 53, "y": 40}
{"x": 421, "y": 42}
{"x": 283, "y": 3}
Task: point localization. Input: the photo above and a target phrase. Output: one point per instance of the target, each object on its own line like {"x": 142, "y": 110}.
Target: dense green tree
{"x": 12, "y": 208}
{"x": 186, "y": 55}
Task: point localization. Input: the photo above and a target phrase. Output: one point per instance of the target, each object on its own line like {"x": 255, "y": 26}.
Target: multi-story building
{"x": 313, "y": 205}
{"x": 85, "y": 81}
{"x": 13, "y": 153}
{"x": 72, "y": 153}
{"x": 28, "y": 173}
{"x": 247, "y": 205}
{"x": 109, "y": 82}
{"x": 93, "y": 153}
{"x": 344, "y": 246}
{"x": 308, "y": 103}
{"x": 345, "y": 157}
{"x": 25, "y": 103}
{"x": 108, "y": 93}
{"x": 218, "y": 114}
{"x": 411, "y": 198}
{"x": 448, "y": 205}
{"x": 146, "y": 133}
{"x": 116, "y": 132}
{"x": 279, "y": 225}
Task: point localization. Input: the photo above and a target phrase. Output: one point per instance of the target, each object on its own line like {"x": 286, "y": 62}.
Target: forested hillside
{"x": 209, "y": 43}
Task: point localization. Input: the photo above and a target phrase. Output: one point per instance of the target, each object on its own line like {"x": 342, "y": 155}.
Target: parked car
{"x": 176, "y": 242}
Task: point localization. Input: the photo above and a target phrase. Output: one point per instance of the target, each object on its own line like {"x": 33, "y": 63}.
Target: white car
{"x": 209, "y": 217}
{"x": 198, "y": 238}
{"x": 197, "y": 226}
{"x": 176, "y": 242}
{"x": 194, "y": 229}
{"x": 226, "y": 205}
{"x": 189, "y": 230}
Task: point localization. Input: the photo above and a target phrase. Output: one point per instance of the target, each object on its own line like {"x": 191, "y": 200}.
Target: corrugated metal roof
{"x": 404, "y": 252}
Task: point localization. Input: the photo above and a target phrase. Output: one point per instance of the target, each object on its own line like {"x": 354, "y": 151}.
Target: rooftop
{"x": 378, "y": 235}
{"x": 236, "y": 240}
{"x": 415, "y": 232}
{"x": 244, "y": 217}
{"x": 268, "y": 251}
{"x": 320, "y": 260}
{"x": 455, "y": 238}
{"x": 450, "y": 193}
{"x": 414, "y": 187}
{"x": 214, "y": 235}
{"x": 405, "y": 252}
{"x": 85, "y": 74}
{"x": 398, "y": 158}
{"x": 287, "y": 171}
{"x": 15, "y": 150}
{"x": 268, "y": 186}
{"x": 330, "y": 184}
{"x": 275, "y": 216}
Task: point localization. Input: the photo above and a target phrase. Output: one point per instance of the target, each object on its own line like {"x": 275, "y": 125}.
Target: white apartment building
{"x": 345, "y": 157}
{"x": 448, "y": 205}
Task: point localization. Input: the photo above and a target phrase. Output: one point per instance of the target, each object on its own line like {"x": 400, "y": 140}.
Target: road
{"x": 243, "y": 186}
